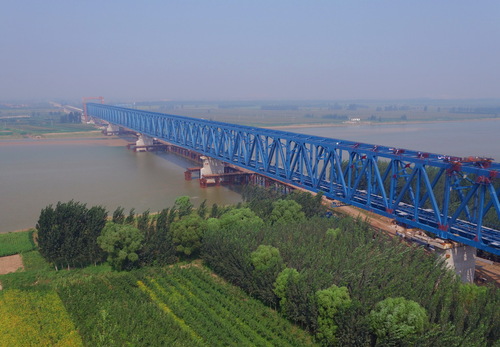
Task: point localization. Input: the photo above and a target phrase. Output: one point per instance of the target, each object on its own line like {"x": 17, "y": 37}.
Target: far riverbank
{"x": 355, "y": 123}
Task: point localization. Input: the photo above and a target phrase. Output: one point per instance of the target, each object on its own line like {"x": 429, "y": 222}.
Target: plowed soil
{"x": 10, "y": 263}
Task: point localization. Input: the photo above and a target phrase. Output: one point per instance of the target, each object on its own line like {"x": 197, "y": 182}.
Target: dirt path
{"x": 10, "y": 263}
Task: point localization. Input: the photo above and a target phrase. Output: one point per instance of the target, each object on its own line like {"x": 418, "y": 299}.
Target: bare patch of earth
{"x": 10, "y": 263}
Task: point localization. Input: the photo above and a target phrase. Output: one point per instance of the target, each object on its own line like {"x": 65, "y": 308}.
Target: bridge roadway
{"x": 445, "y": 195}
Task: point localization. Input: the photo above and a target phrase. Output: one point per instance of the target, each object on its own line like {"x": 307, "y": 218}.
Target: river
{"x": 454, "y": 138}
{"x": 34, "y": 174}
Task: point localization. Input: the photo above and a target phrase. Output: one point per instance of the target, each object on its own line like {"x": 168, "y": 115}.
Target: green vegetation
{"x": 336, "y": 278}
{"x": 181, "y": 305}
{"x": 67, "y": 234}
{"x": 330, "y": 301}
{"x": 16, "y": 242}
{"x": 394, "y": 320}
{"x": 35, "y": 318}
{"x": 121, "y": 243}
{"x": 348, "y": 254}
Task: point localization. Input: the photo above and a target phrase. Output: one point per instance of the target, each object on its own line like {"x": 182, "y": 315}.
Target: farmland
{"x": 16, "y": 242}
{"x": 32, "y": 318}
{"x": 179, "y": 305}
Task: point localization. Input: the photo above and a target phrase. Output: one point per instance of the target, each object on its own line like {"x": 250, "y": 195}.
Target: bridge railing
{"x": 454, "y": 198}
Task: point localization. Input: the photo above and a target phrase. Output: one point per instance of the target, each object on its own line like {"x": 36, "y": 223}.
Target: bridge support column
{"x": 112, "y": 129}
{"x": 462, "y": 259}
{"x": 211, "y": 166}
{"x": 142, "y": 144}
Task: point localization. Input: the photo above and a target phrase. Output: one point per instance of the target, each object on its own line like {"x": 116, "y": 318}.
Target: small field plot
{"x": 216, "y": 313}
{"x": 177, "y": 306}
{"x": 35, "y": 318}
{"x": 16, "y": 242}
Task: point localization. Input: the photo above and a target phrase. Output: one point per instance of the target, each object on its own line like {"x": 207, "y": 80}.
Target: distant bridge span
{"x": 448, "y": 196}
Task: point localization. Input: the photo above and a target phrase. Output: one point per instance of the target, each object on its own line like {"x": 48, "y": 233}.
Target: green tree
{"x": 330, "y": 301}
{"x": 267, "y": 264}
{"x": 240, "y": 218}
{"x": 67, "y": 234}
{"x": 143, "y": 222}
{"x": 158, "y": 246}
{"x": 118, "y": 215}
{"x": 286, "y": 212}
{"x": 131, "y": 217}
{"x": 284, "y": 279}
{"x": 202, "y": 209}
{"x": 396, "y": 319}
{"x": 187, "y": 233}
{"x": 121, "y": 243}
{"x": 183, "y": 206}
{"x": 214, "y": 211}
{"x": 312, "y": 205}
{"x": 266, "y": 257}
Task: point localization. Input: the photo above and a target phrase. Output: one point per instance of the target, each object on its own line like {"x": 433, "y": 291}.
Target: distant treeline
{"x": 279, "y": 107}
{"x": 73, "y": 117}
{"x": 476, "y": 110}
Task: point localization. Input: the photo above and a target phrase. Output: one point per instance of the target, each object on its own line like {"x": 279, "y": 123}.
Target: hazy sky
{"x": 233, "y": 50}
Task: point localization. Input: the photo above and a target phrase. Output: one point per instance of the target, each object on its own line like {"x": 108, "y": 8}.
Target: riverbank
{"x": 353, "y": 123}
{"x": 100, "y": 140}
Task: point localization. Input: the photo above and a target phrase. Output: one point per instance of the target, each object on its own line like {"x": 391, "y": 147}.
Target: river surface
{"x": 460, "y": 138}
{"x": 34, "y": 174}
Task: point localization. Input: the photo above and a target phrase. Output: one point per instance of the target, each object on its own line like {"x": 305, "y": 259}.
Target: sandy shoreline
{"x": 112, "y": 141}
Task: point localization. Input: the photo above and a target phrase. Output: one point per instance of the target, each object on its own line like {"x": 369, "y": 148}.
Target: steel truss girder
{"x": 395, "y": 183}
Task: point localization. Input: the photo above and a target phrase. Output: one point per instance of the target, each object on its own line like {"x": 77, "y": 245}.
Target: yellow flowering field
{"x": 35, "y": 318}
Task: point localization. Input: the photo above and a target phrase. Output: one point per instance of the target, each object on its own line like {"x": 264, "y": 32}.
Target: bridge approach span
{"x": 453, "y": 198}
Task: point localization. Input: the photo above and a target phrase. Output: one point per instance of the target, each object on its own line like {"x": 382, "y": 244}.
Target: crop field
{"x": 177, "y": 306}
{"x": 16, "y": 242}
{"x": 216, "y": 314}
{"x": 35, "y": 318}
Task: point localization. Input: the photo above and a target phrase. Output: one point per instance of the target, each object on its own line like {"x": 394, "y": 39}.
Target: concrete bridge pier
{"x": 112, "y": 129}
{"x": 457, "y": 256}
{"x": 211, "y": 166}
{"x": 143, "y": 142}
{"x": 462, "y": 259}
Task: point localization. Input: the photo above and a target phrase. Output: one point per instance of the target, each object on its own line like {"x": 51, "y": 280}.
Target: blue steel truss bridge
{"x": 454, "y": 198}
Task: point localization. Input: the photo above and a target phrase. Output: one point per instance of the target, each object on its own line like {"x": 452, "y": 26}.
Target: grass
{"x": 16, "y": 242}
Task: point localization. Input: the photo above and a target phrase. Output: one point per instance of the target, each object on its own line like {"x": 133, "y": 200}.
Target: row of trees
{"x": 73, "y": 235}
{"x": 72, "y": 117}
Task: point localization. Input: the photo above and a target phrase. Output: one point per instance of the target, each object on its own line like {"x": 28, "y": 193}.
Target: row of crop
{"x": 35, "y": 318}
{"x": 253, "y": 313}
{"x": 222, "y": 326}
{"x": 241, "y": 314}
{"x": 220, "y": 312}
{"x": 16, "y": 242}
{"x": 208, "y": 328}
{"x": 110, "y": 310}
